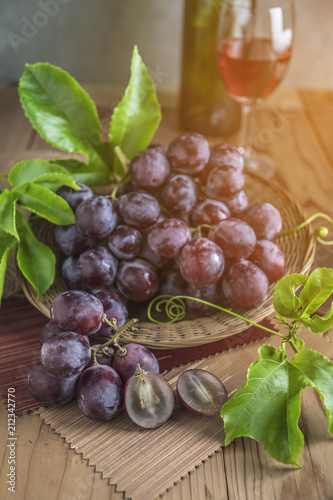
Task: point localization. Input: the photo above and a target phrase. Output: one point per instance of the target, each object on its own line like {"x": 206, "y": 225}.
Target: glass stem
{"x": 245, "y": 146}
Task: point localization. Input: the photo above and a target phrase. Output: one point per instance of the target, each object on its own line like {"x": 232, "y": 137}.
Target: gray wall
{"x": 93, "y": 40}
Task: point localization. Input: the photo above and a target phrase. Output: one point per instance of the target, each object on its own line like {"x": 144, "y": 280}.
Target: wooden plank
{"x": 319, "y": 109}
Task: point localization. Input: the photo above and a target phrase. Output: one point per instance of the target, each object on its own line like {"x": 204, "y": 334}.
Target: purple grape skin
{"x": 48, "y": 330}
{"x": 97, "y": 267}
{"x": 237, "y": 203}
{"x": 124, "y": 242}
{"x": 188, "y": 153}
{"x": 265, "y": 220}
{"x": 71, "y": 241}
{"x": 139, "y": 210}
{"x": 236, "y": 238}
{"x": 180, "y": 194}
{"x": 206, "y": 402}
{"x": 210, "y": 293}
{"x": 149, "y": 169}
{"x": 114, "y": 307}
{"x": 96, "y": 217}
{"x": 245, "y": 284}
{"x": 270, "y": 258}
{"x": 48, "y": 390}
{"x": 209, "y": 212}
{"x": 201, "y": 262}
{"x": 224, "y": 182}
{"x": 137, "y": 279}
{"x": 171, "y": 282}
{"x": 65, "y": 355}
{"x": 168, "y": 237}
{"x": 74, "y": 198}
{"x": 222, "y": 155}
{"x": 99, "y": 393}
{"x": 162, "y": 148}
{"x": 77, "y": 311}
{"x": 147, "y": 254}
{"x": 149, "y": 400}
{"x": 126, "y": 365}
{"x": 104, "y": 357}
{"x": 70, "y": 273}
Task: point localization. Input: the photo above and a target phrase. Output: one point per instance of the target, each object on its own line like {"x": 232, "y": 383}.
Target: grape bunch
{"x": 182, "y": 225}
{"x": 105, "y": 378}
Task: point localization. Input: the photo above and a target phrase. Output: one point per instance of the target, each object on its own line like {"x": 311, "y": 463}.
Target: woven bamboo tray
{"x": 299, "y": 250}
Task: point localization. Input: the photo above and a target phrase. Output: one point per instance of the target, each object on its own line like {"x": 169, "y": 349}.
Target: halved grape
{"x": 99, "y": 393}
{"x": 64, "y": 355}
{"x": 77, "y": 311}
{"x": 149, "y": 400}
{"x": 125, "y": 363}
{"x": 201, "y": 392}
{"x": 49, "y": 390}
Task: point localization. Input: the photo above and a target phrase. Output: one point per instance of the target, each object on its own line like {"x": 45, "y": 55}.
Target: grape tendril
{"x": 320, "y": 232}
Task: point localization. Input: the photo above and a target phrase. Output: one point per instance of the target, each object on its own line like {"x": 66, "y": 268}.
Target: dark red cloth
{"x": 20, "y": 326}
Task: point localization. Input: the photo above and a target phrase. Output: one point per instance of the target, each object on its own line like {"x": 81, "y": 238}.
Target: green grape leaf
{"x": 318, "y": 370}
{"x": 316, "y": 291}
{"x": 7, "y": 212}
{"x": 267, "y": 407}
{"x": 40, "y": 171}
{"x": 45, "y": 203}
{"x": 285, "y": 301}
{"x": 319, "y": 324}
{"x": 91, "y": 174}
{"x": 36, "y": 261}
{"x": 61, "y": 111}
{"x": 7, "y": 245}
{"x": 137, "y": 116}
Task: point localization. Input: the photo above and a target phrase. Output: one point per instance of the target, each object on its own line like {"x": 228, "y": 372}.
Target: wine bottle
{"x": 205, "y": 106}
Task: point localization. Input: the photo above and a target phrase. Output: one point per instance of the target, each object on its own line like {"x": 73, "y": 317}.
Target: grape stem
{"x": 113, "y": 341}
{"x": 320, "y": 231}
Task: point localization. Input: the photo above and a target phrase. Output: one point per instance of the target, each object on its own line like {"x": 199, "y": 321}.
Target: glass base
{"x": 259, "y": 163}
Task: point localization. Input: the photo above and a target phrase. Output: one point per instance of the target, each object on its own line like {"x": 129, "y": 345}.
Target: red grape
{"x": 51, "y": 391}
{"x": 48, "y": 330}
{"x": 209, "y": 212}
{"x": 77, "y": 311}
{"x": 270, "y": 259}
{"x": 74, "y": 198}
{"x": 96, "y": 217}
{"x": 124, "y": 242}
{"x": 99, "y": 393}
{"x": 224, "y": 182}
{"x": 188, "y": 153}
{"x": 125, "y": 362}
{"x": 71, "y": 241}
{"x": 201, "y": 262}
{"x": 149, "y": 169}
{"x": 139, "y": 210}
{"x": 168, "y": 237}
{"x": 265, "y": 220}
{"x": 97, "y": 267}
{"x": 137, "y": 279}
{"x": 114, "y": 307}
{"x": 245, "y": 284}
{"x": 236, "y": 238}
{"x": 65, "y": 355}
{"x": 180, "y": 194}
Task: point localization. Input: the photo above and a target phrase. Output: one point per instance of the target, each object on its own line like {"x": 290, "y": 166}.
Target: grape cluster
{"x": 105, "y": 378}
{"x": 181, "y": 225}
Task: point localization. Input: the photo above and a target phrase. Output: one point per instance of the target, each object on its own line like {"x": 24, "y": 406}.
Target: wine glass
{"x": 254, "y": 45}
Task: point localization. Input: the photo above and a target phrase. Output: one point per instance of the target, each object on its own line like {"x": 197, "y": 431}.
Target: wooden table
{"x": 296, "y": 129}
